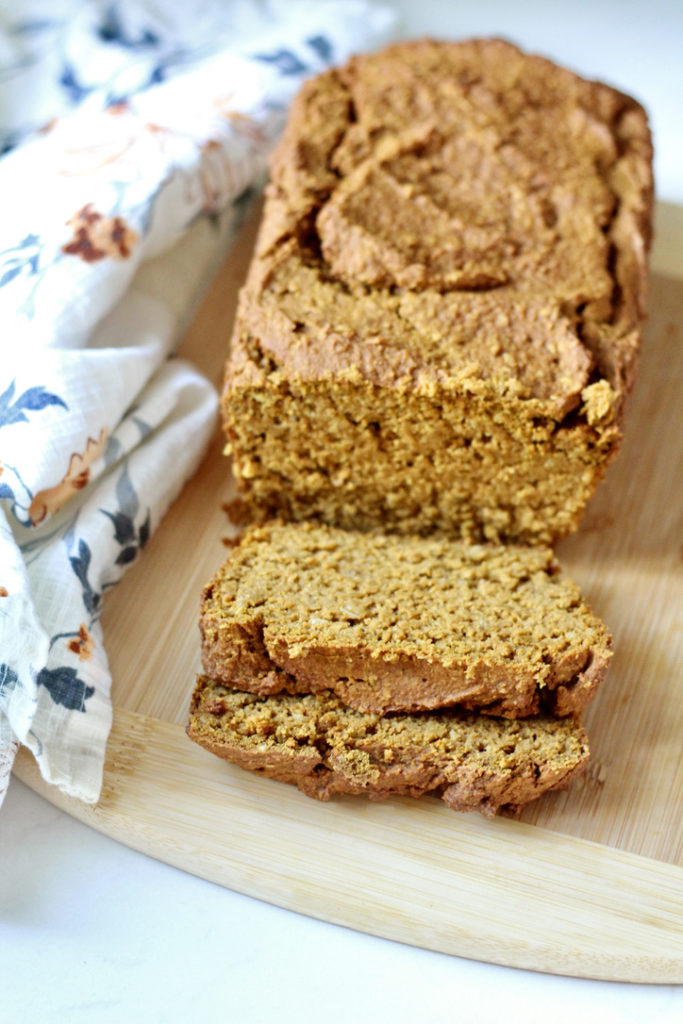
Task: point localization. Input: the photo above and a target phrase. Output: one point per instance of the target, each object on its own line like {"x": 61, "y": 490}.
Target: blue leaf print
{"x": 124, "y": 528}
{"x": 112, "y": 31}
{"x": 145, "y": 531}
{"x": 285, "y": 61}
{"x": 26, "y": 242}
{"x": 127, "y": 555}
{"x": 112, "y": 452}
{"x": 131, "y": 538}
{"x": 31, "y": 400}
{"x": 8, "y": 679}
{"x": 144, "y": 428}
{"x": 6, "y": 397}
{"x": 21, "y": 257}
{"x": 9, "y": 141}
{"x": 6, "y": 492}
{"x": 321, "y": 46}
{"x": 125, "y": 494}
{"x": 38, "y": 398}
{"x": 65, "y": 687}
{"x": 14, "y": 271}
{"x": 80, "y": 564}
{"x": 157, "y": 76}
{"x": 76, "y": 92}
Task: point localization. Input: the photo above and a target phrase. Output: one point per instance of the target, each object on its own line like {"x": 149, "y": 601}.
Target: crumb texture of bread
{"x": 397, "y": 623}
{"x": 326, "y": 749}
{"x": 440, "y": 325}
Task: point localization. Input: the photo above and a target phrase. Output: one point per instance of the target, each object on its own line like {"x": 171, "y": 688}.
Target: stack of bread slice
{"x": 428, "y": 376}
{"x": 349, "y": 662}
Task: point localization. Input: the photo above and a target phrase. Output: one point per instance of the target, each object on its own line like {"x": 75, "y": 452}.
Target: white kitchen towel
{"x": 127, "y": 128}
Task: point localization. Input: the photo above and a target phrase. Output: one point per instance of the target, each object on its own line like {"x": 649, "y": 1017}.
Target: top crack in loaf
{"x": 440, "y": 325}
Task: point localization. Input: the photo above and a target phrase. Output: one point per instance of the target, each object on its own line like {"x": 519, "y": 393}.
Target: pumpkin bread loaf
{"x": 325, "y": 748}
{"x": 440, "y": 326}
{"x": 397, "y": 623}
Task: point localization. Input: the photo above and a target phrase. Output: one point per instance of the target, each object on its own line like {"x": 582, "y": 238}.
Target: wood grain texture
{"x": 589, "y": 882}
{"x": 404, "y": 869}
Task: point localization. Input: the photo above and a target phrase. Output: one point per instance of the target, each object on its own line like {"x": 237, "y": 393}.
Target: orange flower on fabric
{"x": 47, "y": 502}
{"x": 96, "y": 236}
{"x": 242, "y": 123}
{"x": 83, "y": 644}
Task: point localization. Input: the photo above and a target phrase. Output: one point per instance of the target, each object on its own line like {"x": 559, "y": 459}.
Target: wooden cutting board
{"x": 588, "y": 882}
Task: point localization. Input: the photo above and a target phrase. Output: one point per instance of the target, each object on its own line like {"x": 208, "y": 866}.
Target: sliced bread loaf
{"x": 441, "y": 323}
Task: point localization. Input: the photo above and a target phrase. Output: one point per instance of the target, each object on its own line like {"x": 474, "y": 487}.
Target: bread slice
{"x": 395, "y": 623}
{"x": 325, "y": 748}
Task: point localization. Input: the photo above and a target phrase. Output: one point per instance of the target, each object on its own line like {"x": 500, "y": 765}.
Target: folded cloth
{"x": 128, "y": 128}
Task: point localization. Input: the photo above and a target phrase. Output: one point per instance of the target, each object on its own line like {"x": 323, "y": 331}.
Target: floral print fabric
{"x": 130, "y": 131}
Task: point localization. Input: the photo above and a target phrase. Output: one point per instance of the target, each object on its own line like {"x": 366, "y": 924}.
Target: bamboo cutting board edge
{"x": 531, "y": 899}
{"x": 630, "y": 906}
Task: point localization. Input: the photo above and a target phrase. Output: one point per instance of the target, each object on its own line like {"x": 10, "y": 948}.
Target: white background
{"x": 91, "y": 931}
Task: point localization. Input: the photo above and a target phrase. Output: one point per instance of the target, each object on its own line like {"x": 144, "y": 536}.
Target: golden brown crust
{"x": 400, "y": 623}
{"x": 459, "y": 226}
{"x": 327, "y": 749}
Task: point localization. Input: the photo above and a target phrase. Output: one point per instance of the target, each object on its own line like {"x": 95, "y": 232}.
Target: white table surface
{"x": 91, "y": 931}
